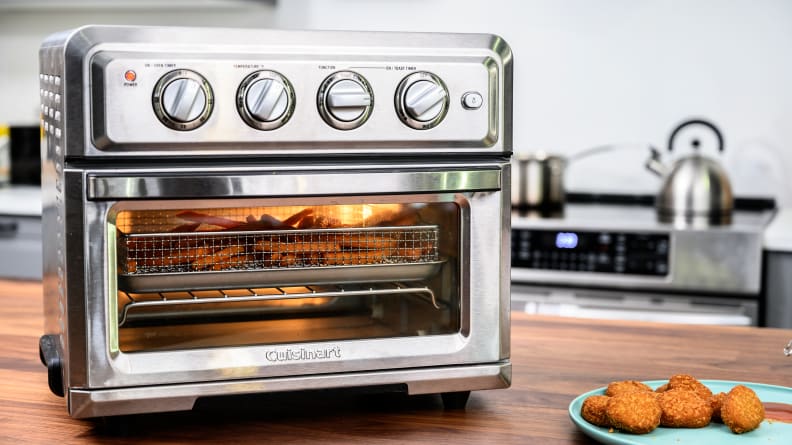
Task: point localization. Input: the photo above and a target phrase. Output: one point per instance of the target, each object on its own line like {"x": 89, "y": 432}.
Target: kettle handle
{"x": 707, "y": 124}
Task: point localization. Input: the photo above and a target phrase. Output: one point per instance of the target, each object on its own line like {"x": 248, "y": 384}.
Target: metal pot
{"x": 538, "y": 181}
{"x": 696, "y": 189}
{"x": 538, "y": 178}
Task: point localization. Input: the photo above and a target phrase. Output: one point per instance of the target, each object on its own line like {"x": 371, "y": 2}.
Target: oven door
{"x": 205, "y": 275}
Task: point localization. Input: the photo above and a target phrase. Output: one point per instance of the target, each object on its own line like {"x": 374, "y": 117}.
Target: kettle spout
{"x": 654, "y": 164}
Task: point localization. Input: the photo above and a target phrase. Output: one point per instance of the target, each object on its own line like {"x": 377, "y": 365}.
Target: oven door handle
{"x": 279, "y": 184}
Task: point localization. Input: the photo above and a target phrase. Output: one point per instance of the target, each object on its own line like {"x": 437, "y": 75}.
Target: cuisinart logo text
{"x": 292, "y": 355}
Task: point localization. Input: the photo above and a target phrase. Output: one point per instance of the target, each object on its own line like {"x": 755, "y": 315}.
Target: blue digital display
{"x": 566, "y": 240}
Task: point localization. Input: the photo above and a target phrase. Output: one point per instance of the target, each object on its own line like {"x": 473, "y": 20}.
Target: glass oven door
{"x": 206, "y": 277}
{"x": 215, "y": 275}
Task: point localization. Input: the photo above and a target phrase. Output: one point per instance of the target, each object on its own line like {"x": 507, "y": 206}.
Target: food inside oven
{"x": 256, "y": 274}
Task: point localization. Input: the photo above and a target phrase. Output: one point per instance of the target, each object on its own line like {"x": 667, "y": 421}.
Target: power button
{"x": 472, "y": 100}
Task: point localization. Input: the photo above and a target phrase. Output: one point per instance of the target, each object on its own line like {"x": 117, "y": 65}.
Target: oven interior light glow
{"x": 566, "y": 240}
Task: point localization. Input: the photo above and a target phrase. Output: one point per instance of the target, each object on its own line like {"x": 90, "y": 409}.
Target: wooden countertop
{"x": 554, "y": 360}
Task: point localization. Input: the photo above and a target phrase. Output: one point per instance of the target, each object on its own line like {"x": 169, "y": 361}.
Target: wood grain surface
{"x": 554, "y": 359}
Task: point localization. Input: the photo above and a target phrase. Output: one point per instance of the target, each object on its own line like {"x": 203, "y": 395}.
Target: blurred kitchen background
{"x": 621, "y": 73}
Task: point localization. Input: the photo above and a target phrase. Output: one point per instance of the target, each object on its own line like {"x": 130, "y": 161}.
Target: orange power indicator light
{"x": 130, "y": 76}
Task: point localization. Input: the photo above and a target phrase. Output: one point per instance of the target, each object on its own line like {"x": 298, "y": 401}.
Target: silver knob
{"x": 421, "y": 100}
{"x": 424, "y": 100}
{"x": 265, "y": 100}
{"x": 183, "y": 100}
{"x": 345, "y": 100}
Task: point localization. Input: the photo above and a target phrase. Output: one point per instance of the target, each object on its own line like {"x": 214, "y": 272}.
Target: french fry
{"x": 296, "y": 247}
{"x": 219, "y": 257}
{"x": 297, "y": 217}
{"x": 367, "y": 240}
{"x": 355, "y": 258}
{"x": 202, "y": 218}
{"x": 319, "y": 222}
{"x": 177, "y": 257}
{"x": 413, "y": 254}
{"x": 188, "y": 227}
{"x": 287, "y": 260}
{"x": 234, "y": 261}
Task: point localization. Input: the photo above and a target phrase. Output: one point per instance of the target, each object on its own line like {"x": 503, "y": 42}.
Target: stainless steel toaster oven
{"x": 246, "y": 211}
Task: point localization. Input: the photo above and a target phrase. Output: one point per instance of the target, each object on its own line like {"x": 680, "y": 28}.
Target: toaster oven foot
{"x": 115, "y": 426}
{"x": 49, "y": 354}
{"x": 455, "y": 400}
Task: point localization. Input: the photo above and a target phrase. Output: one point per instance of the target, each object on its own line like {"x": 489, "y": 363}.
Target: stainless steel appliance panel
{"x": 480, "y": 64}
{"x": 115, "y": 129}
{"x": 627, "y": 304}
{"x": 724, "y": 259}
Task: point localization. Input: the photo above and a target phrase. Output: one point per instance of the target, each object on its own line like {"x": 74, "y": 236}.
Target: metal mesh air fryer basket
{"x": 201, "y": 260}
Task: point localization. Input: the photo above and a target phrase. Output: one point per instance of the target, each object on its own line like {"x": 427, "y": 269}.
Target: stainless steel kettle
{"x": 696, "y": 189}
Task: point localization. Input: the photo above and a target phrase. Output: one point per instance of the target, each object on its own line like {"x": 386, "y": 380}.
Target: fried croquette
{"x": 623, "y": 386}
{"x": 594, "y": 410}
{"x": 716, "y": 402}
{"x": 685, "y": 381}
{"x": 662, "y": 388}
{"x": 683, "y": 408}
{"x": 634, "y": 412}
{"x": 742, "y": 411}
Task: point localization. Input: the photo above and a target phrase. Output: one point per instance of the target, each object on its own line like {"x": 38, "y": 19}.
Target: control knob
{"x": 421, "y": 100}
{"x": 265, "y": 100}
{"x": 345, "y": 100}
{"x": 183, "y": 100}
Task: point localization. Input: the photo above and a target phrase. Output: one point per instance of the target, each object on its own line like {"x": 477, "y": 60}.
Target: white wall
{"x": 586, "y": 72}
{"x": 25, "y": 24}
{"x": 621, "y": 71}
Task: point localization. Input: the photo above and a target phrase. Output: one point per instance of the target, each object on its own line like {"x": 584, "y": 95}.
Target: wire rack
{"x": 158, "y": 253}
{"x": 167, "y": 300}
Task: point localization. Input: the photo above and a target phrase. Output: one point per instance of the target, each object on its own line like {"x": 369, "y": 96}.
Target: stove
{"x": 611, "y": 257}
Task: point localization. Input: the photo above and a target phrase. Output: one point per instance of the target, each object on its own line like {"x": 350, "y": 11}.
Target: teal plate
{"x": 768, "y": 433}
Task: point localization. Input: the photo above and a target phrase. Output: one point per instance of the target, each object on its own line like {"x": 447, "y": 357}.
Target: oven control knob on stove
{"x": 265, "y": 100}
{"x": 345, "y": 100}
{"x": 183, "y": 100}
{"x": 421, "y": 100}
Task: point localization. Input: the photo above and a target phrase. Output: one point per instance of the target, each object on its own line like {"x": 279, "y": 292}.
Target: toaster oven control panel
{"x": 591, "y": 251}
{"x": 292, "y": 103}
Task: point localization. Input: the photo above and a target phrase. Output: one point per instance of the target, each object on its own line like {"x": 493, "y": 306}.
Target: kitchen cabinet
{"x": 20, "y": 232}
{"x": 20, "y": 244}
{"x": 778, "y": 270}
